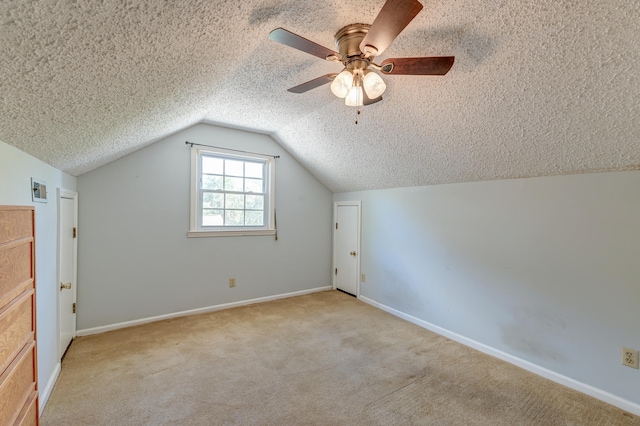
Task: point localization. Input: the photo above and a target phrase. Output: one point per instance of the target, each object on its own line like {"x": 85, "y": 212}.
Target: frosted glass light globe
{"x": 354, "y": 98}
{"x": 342, "y": 84}
{"x": 373, "y": 85}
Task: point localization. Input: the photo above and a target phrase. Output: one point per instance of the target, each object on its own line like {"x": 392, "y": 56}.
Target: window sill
{"x": 231, "y": 233}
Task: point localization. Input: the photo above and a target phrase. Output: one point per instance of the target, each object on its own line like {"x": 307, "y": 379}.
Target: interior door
{"x": 67, "y": 271}
{"x": 347, "y": 247}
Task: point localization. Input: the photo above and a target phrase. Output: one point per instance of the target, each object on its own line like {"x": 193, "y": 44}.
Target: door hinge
{"x": 73, "y": 310}
{"x": 336, "y": 225}
{"x": 336, "y": 271}
{"x": 75, "y": 232}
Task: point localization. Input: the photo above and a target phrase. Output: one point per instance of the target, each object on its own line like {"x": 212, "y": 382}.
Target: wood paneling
{"x": 18, "y": 363}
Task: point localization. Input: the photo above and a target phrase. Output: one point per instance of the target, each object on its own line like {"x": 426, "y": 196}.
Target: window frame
{"x": 196, "y": 229}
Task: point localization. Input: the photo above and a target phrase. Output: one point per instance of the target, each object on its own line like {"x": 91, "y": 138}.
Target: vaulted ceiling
{"x": 538, "y": 88}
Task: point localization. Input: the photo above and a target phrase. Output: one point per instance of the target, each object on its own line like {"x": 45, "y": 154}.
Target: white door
{"x": 67, "y": 270}
{"x": 347, "y": 247}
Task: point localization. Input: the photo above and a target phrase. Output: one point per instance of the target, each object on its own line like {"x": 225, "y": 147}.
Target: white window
{"x": 231, "y": 193}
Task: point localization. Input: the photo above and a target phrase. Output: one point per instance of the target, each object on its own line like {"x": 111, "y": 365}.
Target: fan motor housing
{"x": 348, "y": 39}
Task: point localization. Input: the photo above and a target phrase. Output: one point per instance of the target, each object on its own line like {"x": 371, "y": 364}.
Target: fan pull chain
{"x": 357, "y": 107}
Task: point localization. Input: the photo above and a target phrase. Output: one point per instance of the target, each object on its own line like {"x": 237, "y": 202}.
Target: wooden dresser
{"x": 18, "y": 362}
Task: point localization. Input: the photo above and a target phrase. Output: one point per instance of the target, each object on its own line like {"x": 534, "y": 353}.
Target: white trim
{"x": 193, "y": 211}
{"x": 105, "y": 328}
{"x": 358, "y": 249}
{"x": 195, "y": 229}
{"x": 231, "y": 233}
{"x": 600, "y": 394}
{"x": 45, "y": 393}
{"x": 72, "y": 195}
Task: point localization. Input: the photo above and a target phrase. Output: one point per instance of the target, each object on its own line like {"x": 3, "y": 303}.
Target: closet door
{"x": 18, "y": 363}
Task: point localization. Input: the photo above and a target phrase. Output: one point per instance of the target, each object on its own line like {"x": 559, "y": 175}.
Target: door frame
{"x": 357, "y": 204}
{"x": 64, "y": 193}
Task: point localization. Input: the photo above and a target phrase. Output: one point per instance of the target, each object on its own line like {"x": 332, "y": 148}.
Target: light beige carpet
{"x": 319, "y": 359}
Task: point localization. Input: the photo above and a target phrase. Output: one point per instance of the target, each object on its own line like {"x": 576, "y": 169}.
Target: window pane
{"x": 212, "y": 166}
{"x": 233, "y": 168}
{"x": 255, "y": 202}
{"x": 234, "y": 201}
{"x": 212, "y": 182}
{"x": 233, "y": 184}
{"x": 233, "y": 190}
{"x": 253, "y": 170}
{"x": 254, "y": 218}
{"x": 212, "y": 201}
{"x": 212, "y": 217}
{"x": 234, "y": 218}
{"x": 253, "y": 185}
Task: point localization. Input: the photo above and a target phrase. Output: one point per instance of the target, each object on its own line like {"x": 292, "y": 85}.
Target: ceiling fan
{"x": 358, "y": 45}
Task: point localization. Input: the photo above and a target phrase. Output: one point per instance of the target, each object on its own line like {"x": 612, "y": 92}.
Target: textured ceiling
{"x": 538, "y": 88}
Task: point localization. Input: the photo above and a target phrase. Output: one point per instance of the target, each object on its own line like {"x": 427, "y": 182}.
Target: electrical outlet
{"x": 232, "y": 282}
{"x": 629, "y": 357}
{"x": 363, "y": 278}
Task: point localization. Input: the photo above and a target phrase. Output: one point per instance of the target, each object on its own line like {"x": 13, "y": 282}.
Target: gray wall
{"x": 544, "y": 269}
{"x": 135, "y": 260}
{"x": 16, "y": 171}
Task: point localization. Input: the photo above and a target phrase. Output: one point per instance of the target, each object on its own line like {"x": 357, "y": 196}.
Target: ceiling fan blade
{"x": 368, "y": 101}
{"x": 394, "y": 16}
{"x": 293, "y": 40}
{"x": 312, "y": 84}
{"x": 436, "y": 65}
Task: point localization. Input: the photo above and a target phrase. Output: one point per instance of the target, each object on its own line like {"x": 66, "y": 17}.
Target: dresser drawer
{"x": 29, "y": 414}
{"x": 17, "y": 384}
{"x": 15, "y": 223}
{"x": 16, "y": 327}
{"x": 16, "y": 271}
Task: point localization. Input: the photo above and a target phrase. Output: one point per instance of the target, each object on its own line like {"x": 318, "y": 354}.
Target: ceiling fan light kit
{"x": 349, "y": 85}
{"x": 358, "y": 45}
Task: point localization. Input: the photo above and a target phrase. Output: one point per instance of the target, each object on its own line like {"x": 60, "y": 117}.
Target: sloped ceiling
{"x": 538, "y": 88}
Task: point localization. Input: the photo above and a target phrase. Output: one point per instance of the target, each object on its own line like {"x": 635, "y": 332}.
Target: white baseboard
{"x": 45, "y": 393}
{"x": 104, "y": 328}
{"x": 607, "y": 397}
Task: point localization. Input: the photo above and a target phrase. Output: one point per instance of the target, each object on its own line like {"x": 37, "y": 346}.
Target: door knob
{"x": 353, "y": 253}
{"x": 63, "y": 286}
